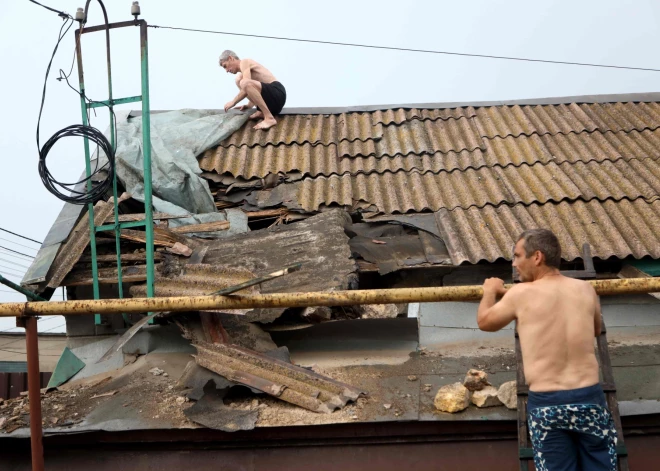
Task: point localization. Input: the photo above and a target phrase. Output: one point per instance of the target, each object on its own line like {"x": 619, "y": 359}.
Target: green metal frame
{"x": 146, "y": 154}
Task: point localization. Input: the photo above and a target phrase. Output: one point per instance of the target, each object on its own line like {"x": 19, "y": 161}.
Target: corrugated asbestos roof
{"x": 318, "y": 160}
{"x": 613, "y": 229}
{"x": 497, "y": 160}
{"x": 402, "y": 192}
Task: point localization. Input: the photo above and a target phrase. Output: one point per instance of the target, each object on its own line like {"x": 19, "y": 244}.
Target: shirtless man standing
{"x": 259, "y": 85}
{"x": 557, "y": 319}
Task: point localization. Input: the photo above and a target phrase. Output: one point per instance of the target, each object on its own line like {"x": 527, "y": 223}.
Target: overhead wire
{"x": 7, "y": 254}
{"x": 21, "y": 245}
{"x": 14, "y": 251}
{"x": 21, "y": 236}
{"x": 407, "y": 49}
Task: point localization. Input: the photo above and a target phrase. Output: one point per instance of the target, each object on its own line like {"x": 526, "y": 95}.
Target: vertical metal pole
{"x": 146, "y": 150}
{"x": 34, "y": 393}
{"x": 120, "y": 286}
{"x": 88, "y": 170}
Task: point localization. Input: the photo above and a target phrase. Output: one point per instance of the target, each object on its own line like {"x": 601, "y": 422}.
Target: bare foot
{"x": 266, "y": 124}
{"x": 257, "y": 115}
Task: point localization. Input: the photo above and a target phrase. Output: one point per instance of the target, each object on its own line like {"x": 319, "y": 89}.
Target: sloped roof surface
{"x": 556, "y": 162}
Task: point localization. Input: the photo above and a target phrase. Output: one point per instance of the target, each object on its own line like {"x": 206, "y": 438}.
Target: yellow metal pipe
{"x": 323, "y": 298}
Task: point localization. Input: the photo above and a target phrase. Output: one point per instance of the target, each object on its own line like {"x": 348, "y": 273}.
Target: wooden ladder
{"x": 525, "y": 451}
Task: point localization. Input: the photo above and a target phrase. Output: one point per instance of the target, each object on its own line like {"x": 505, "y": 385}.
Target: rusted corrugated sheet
{"x": 283, "y": 380}
{"x": 517, "y": 120}
{"x": 619, "y": 229}
{"x": 320, "y": 160}
{"x": 12, "y": 384}
{"x": 412, "y": 191}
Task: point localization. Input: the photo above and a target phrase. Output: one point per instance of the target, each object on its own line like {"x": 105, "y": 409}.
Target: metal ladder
{"x": 117, "y": 226}
{"x": 525, "y": 451}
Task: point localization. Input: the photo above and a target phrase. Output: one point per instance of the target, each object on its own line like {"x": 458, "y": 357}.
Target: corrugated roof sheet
{"x": 288, "y": 382}
{"x": 516, "y": 120}
{"x": 613, "y": 229}
{"x": 401, "y": 192}
{"x": 316, "y": 160}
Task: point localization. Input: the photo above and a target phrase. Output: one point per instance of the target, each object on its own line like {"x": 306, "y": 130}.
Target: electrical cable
{"x": 21, "y": 236}
{"x": 14, "y": 263}
{"x": 67, "y": 191}
{"x": 405, "y": 49}
{"x": 22, "y": 258}
{"x": 20, "y": 245}
{"x": 59, "y": 13}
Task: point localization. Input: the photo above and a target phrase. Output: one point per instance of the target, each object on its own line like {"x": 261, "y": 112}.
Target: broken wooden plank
{"x": 129, "y": 257}
{"x": 141, "y": 216}
{"x": 163, "y": 237}
{"x": 266, "y": 213}
{"x": 204, "y": 227}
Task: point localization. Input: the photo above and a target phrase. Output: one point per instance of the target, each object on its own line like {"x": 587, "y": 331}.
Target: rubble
{"x": 486, "y": 397}
{"x": 508, "y": 395}
{"x": 476, "y": 380}
{"x": 378, "y": 311}
{"x": 452, "y": 398}
{"x": 412, "y": 378}
{"x": 156, "y": 371}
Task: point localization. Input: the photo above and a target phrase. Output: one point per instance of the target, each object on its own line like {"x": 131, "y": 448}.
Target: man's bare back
{"x": 556, "y": 317}
{"x": 258, "y": 71}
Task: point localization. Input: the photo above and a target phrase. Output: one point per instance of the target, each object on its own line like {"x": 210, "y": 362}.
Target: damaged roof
{"x": 585, "y": 168}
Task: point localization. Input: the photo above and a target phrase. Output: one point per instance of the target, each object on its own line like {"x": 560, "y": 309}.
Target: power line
{"x": 20, "y": 253}
{"x": 21, "y": 236}
{"x": 22, "y": 259}
{"x": 59, "y": 13}
{"x": 26, "y": 246}
{"x": 18, "y": 277}
{"x": 405, "y": 49}
{"x": 11, "y": 261}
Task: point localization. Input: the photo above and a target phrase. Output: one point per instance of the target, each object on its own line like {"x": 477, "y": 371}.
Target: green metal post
{"x": 88, "y": 171}
{"x": 146, "y": 151}
{"x": 30, "y": 295}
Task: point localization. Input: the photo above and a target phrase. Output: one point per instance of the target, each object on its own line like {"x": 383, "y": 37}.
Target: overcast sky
{"x": 184, "y": 69}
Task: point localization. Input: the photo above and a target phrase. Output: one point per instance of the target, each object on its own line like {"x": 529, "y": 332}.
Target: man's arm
{"x": 493, "y": 315}
{"x": 246, "y": 73}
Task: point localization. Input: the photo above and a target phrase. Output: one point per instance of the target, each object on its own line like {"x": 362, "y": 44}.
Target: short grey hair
{"x": 545, "y": 242}
{"x": 226, "y": 55}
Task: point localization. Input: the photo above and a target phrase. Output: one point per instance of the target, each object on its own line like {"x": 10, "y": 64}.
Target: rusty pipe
{"x": 34, "y": 392}
{"x": 281, "y": 300}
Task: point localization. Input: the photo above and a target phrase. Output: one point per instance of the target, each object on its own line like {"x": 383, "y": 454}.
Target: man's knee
{"x": 246, "y": 84}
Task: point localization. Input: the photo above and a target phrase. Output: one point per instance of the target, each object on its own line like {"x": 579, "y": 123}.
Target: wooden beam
{"x": 140, "y": 217}
{"x": 129, "y": 257}
{"x": 204, "y": 227}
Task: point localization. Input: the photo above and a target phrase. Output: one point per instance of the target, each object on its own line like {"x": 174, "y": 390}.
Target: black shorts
{"x": 274, "y": 95}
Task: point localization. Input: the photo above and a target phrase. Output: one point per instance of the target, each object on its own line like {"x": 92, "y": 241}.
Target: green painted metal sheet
{"x": 67, "y": 366}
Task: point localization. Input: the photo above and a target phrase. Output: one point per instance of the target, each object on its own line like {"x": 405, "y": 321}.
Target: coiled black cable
{"x": 100, "y": 184}
{"x": 67, "y": 191}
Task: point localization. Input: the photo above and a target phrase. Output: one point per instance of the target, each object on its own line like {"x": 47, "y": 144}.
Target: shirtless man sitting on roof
{"x": 259, "y": 85}
{"x": 557, "y": 318}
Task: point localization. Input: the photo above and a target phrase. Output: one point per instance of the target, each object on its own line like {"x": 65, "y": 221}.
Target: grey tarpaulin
{"x": 177, "y": 138}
